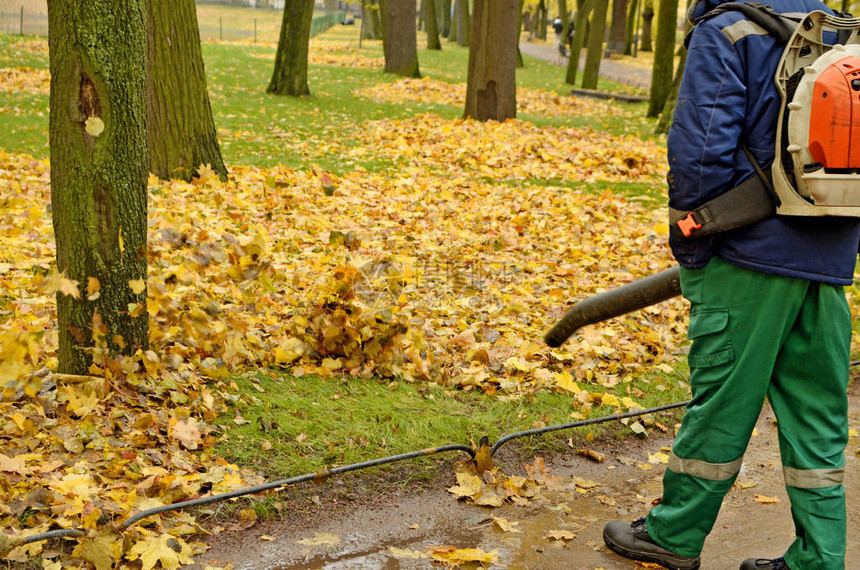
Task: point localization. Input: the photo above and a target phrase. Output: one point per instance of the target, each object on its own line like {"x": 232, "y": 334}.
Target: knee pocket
{"x": 709, "y": 331}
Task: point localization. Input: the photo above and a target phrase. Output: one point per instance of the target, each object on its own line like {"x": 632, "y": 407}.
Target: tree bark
{"x": 540, "y": 20}
{"x": 491, "y": 91}
{"x": 520, "y": 62}
{"x": 290, "y": 76}
{"x": 578, "y": 39}
{"x": 618, "y": 30}
{"x": 371, "y": 20}
{"x": 432, "y": 25}
{"x": 180, "y": 128}
{"x": 445, "y": 13}
{"x": 664, "y": 56}
{"x": 595, "y": 44}
{"x": 98, "y": 175}
{"x": 647, "y": 21}
{"x": 464, "y": 23}
{"x": 630, "y": 37}
{"x": 401, "y": 53}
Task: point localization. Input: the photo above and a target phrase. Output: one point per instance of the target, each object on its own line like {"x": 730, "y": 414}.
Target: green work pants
{"x": 755, "y": 335}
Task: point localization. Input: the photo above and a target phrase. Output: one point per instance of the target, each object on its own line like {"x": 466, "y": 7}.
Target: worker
{"x": 768, "y": 315}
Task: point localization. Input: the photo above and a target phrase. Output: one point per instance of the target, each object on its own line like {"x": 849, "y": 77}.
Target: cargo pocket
{"x": 712, "y": 345}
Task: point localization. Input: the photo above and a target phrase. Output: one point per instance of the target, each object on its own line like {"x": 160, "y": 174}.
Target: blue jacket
{"x": 727, "y": 96}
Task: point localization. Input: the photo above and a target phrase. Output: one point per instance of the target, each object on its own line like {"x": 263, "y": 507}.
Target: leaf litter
{"x": 433, "y": 271}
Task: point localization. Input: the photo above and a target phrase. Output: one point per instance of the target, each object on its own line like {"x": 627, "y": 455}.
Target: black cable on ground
{"x": 537, "y": 431}
{"x": 319, "y": 476}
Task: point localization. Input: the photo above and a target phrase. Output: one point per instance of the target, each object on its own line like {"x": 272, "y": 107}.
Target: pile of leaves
{"x": 21, "y": 79}
{"x": 517, "y": 150}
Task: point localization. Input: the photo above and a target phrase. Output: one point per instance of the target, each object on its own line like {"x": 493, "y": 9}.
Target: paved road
{"x": 609, "y": 69}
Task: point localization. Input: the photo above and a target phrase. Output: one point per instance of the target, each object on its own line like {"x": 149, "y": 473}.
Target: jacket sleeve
{"x": 708, "y": 120}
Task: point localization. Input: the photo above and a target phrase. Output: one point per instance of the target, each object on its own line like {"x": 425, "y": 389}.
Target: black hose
{"x": 321, "y": 475}
{"x": 547, "y": 429}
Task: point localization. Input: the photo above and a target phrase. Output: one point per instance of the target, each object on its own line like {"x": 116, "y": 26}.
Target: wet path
{"x": 579, "y": 498}
{"x": 609, "y": 68}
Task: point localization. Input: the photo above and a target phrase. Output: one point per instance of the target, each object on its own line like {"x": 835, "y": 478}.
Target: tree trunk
{"x": 98, "y": 175}
{"x": 421, "y": 12}
{"x": 491, "y": 90}
{"x": 290, "y": 76}
{"x": 401, "y": 54}
{"x": 647, "y": 20}
{"x": 464, "y": 25}
{"x": 630, "y": 38}
{"x": 540, "y": 21}
{"x": 180, "y": 129}
{"x": 618, "y": 30}
{"x": 578, "y": 39}
{"x": 520, "y": 62}
{"x": 445, "y": 13}
{"x": 432, "y": 27}
{"x": 595, "y": 44}
{"x": 565, "y": 20}
{"x": 371, "y": 20}
{"x": 664, "y": 56}
{"x": 668, "y": 113}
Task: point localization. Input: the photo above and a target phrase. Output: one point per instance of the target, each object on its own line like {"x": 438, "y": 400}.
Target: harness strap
{"x": 777, "y": 25}
{"x": 751, "y": 201}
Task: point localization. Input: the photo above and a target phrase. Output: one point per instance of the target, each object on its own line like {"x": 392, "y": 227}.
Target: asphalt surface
{"x": 609, "y": 68}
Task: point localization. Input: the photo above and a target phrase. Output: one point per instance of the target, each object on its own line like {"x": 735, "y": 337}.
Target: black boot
{"x": 764, "y": 564}
{"x": 632, "y": 541}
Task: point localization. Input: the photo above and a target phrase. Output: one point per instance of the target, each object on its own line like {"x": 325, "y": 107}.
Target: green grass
{"x": 313, "y": 423}
{"x": 254, "y": 126}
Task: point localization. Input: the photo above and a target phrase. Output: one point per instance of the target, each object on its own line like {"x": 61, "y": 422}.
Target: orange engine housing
{"x": 834, "y": 125}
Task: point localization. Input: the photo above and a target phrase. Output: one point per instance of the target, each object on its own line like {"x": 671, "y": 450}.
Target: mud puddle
{"x": 560, "y": 529}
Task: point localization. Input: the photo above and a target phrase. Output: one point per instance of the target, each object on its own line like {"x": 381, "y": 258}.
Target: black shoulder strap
{"x": 777, "y": 25}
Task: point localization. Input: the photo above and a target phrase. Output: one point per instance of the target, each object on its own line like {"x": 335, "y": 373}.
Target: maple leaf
{"x": 458, "y": 556}
{"x": 57, "y": 282}
{"x": 169, "y": 550}
{"x": 186, "y": 432}
{"x": 205, "y": 174}
{"x": 102, "y": 551}
{"x": 561, "y": 535}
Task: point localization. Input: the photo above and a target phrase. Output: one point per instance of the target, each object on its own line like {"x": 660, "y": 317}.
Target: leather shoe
{"x": 632, "y": 540}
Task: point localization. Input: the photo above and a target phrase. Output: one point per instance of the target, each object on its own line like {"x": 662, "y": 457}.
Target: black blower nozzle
{"x": 637, "y": 295}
